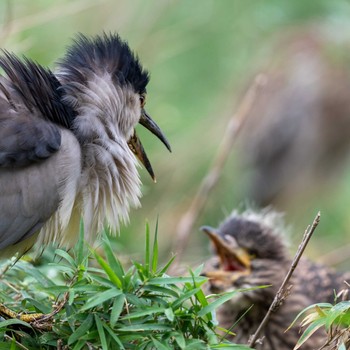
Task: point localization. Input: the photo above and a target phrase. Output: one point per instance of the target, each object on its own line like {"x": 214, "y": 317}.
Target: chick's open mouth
{"x": 234, "y": 261}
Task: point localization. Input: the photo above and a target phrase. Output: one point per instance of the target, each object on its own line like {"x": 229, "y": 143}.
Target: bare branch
{"x": 284, "y": 289}
{"x": 234, "y": 126}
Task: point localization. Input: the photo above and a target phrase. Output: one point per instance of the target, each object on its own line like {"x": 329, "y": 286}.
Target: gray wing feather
{"x": 30, "y": 152}
{"x": 29, "y": 196}
{"x": 25, "y": 139}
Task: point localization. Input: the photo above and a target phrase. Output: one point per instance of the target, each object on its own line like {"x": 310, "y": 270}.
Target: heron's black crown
{"x": 105, "y": 52}
{"x": 261, "y": 239}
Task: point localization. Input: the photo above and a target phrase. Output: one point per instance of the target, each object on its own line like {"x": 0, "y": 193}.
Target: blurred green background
{"x": 202, "y": 56}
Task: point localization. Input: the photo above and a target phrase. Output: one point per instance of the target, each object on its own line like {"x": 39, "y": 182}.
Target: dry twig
{"x": 234, "y": 126}
{"x": 284, "y": 289}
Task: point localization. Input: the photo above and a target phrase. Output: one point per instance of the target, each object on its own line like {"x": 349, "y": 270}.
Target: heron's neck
{"x": 110, "y": 185}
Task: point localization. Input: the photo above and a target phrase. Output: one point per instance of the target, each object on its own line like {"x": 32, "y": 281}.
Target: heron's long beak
{"x": 232, "y": 257}
{"x": 137, "y": 148}
{"x": 136, "y": 145}
{"x": 150, "y": 125}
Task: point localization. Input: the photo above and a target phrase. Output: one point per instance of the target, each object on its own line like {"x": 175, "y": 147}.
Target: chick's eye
{"x": 252, "y": 253}
{"x": 142, "y": 100}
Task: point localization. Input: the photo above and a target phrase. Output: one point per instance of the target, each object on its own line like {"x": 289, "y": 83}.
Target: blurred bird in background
{"x": 249, "y": 252}
{"x": 296, "y": 138}
{"x": 68, "y": 143}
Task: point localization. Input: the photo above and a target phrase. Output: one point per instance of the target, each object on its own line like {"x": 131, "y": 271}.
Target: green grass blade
{"x": 155, "y": 250}
{"x": 309, "y": 331}
{"x": 109, "y": 271}
{"x": 148, "y": 311}
{"x": 81, "y": 330}
{"x": 80, "y": 253}
{"x": 216, "y": 303}
{"x": 178, "y": 302}
{"x": 114, "y": 336}
{"x": 63, "y": 254}
{"x": 5, "y": 324}
{"x": 112, "y": 261}
{"x": 101, "y": 333}
{"x": 307, "y": 309}
{"x": 167, "y": 265}
{"x": 145, "y": 327}
{"x": 117, "y": 308}
{"x": 159, "y": 346}
{"x": 101, "y": 298}
{"x": 147, "y": 248}
{"x": 175, "y": 280}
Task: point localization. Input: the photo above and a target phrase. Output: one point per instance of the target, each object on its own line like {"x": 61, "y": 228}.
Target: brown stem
{"x": 283, "y": 290}
{"x": 234, "y": 126}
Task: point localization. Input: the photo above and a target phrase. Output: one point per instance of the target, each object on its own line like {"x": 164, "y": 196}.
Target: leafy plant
{"x": 334, "y": 319}
{"x": 98, "y": 304}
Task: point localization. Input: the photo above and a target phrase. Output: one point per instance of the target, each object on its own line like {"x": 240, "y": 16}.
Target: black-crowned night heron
{"x": 68, "y": 143}
{"x": 250, "y": 252}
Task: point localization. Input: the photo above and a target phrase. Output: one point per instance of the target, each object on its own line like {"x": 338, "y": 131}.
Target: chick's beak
{"x": 136, "y": 145}
{"x": 233, "y": 259}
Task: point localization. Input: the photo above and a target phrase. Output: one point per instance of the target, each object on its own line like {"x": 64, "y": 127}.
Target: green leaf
{"x": 55, "y": 289}
{"x": 155, "y": 250}
{"x": 230, "y": 347}
{"x": 335, "y": 313}
{"x": 168, "y": 292}
{"x": 169, "y": 314}
{"x": 114, "y": 263}
{"x": 202, "y": 298}
{"x": 39, "y": 306}
{"x": 180, "y": 339}
{"x": 148, "y": 311}
{"x": 147, "y": 248}
{"x": 307, "y": 309}
{"x": 5, "y": 324}
{"x": 174, "y": 280}
{"x": 309, "y": 331}
{"x": 102, "y": 280}
{"x": 71, "y": 297}
{"x": 117, "y": 309}
{"x": 80, "y": 251}
{"x": 216, "y": 303}
{"x": 114, "y": 336}
{"x": 178, "y": 302}
{"x": 101, "y": 333}
{"x": 198, "y": 270}
{"x": 101, "y": 298}
{"x": 159, "y": 345}
{"x": 109, "y": 271}
{"x": 63, "y": 254}
{"x": 145, "y": 327}
{"x": 33, "y": 272}
{"x": 79, "y": 345}
{"x": 164, "y": 269}
{"x": 81, "y": 330}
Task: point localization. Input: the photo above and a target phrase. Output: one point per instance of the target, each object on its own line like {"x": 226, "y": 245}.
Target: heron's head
{"x": 104, "y": 82}
{"x": 249, "y": 252}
